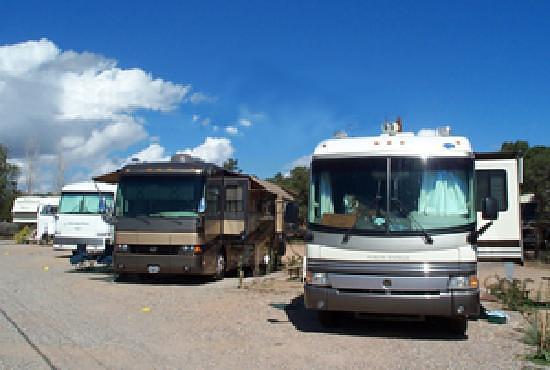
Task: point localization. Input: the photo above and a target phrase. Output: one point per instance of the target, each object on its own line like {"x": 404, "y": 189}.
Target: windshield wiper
{"x": 427, "y": 237}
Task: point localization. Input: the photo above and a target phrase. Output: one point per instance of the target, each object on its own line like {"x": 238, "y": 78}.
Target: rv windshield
{"x": 85, "y": 203}
{"x": 394, "y": 195}
{"x": 159, "y": 196}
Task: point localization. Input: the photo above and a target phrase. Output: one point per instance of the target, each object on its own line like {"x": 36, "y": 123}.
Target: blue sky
{"x": 300, "y": 70}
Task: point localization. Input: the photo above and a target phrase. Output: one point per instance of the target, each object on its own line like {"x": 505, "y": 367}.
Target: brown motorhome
{"x": 190, "y": 217}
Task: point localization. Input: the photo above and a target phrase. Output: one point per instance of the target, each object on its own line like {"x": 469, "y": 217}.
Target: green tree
{"x": 297, "y": 183}
{"x": 8, "y": 184}
{"x": 536, "y": 171}
{"x": 232, "y": 164}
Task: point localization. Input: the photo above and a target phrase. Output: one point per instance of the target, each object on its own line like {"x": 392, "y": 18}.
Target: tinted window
{"x": 233, "y": 198}
{"x": 492, "y": 183}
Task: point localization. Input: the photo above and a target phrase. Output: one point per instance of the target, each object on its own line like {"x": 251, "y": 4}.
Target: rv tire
{"x": 327, "y": 318}
{"x": 458, "y": 325}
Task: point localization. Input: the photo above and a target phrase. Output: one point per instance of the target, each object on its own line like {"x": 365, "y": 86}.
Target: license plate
{"x": 153, "y": 269}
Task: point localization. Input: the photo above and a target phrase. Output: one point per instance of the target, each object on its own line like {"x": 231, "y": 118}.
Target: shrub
{"x": 22, "y": 235}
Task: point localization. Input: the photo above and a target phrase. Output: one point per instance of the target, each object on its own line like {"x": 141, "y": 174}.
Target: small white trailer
{"x": 500, "y": 175}
{"x": 25, "y": 209}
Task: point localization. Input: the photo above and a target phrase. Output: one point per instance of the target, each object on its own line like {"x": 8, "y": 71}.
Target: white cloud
{"x": 214, "y": 149}
{"x": 79, "y": 103}
{"x": 245, "y": 122}
{"x": 215, "y": 128}
{"x": 20, "y": 58}
{"x": 205, "y": 122}
{"x": 199, "y": 98}
{"x": 153, "y": 153}
{"x": 195, "y": 117}
{"x": 232, "y": 130}
{"x": 104, "y": 95}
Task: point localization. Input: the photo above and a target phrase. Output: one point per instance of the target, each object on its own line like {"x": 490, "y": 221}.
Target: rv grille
{"x": 155, "y": 249}
{"x": 389, "y": 292}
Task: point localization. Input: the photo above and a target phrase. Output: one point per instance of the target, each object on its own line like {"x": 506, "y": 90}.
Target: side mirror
{"x": 108, "y": 217}
{"x": 489, "y": 208}
{"x": 291, "y": 213}
{"x": 308, "y": 236}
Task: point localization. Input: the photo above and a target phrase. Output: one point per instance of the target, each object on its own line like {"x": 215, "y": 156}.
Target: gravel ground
{"x": 55, "y": 316}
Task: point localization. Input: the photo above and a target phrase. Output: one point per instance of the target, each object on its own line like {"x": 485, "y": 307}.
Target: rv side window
{"x": 233, "y": 198}
{"x": 492, "y": 183}
{"x": 212, "y": 200}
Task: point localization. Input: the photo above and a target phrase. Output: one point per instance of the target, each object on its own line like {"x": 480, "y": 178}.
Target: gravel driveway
{"x": 55, "y": 316}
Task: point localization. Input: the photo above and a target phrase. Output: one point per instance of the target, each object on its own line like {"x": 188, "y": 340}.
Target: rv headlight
{"x": 122, "y": 247}
{"x": 463, "y": 282}
{"x": 317, "y": 278}
{"x": 186, "y": 249}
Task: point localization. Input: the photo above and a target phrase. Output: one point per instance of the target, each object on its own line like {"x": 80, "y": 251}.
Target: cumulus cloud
{"x": 232, "y": 130}
{"x": 214, "y": 149}
{"x": 79, "y": 104}
{"x": 153, "y": 153}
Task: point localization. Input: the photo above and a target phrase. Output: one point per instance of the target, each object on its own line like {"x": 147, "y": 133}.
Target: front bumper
{"x": 93, "y": 244}
{"x": 168, "y": 264}
{"x": 450, "y": 303}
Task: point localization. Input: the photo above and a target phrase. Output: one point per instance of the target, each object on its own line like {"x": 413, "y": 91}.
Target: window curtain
{"x": 325, "y": 189}
{"x": 443, "y": 194}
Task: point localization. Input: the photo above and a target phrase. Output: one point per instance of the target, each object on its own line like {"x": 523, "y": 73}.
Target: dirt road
{"x": 55, "y": 316}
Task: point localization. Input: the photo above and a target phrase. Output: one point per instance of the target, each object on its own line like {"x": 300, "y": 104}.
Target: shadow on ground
{"x": 385, "y": 327}
{"x": 106, "y": 274}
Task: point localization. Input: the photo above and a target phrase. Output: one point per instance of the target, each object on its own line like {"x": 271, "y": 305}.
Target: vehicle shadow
{"x": 164, "y": 280}
{"x": 385, "y": 327}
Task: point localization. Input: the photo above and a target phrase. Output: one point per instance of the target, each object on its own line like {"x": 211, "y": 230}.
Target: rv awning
{"x": 111, "y": 177}
{"x": 272, "y": 188}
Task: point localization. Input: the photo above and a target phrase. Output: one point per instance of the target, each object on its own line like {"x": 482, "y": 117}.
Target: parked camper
{"x": 80, "y": 226}
{"x": 191, "y": 217}
{"x": 393, "y": 226}
{"x": 499, "y": 176}
{"x": 25, "y": 208}
{"x": 45, "y": 226}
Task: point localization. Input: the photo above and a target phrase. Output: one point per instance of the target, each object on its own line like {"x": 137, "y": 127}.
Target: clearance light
{"x": 474, "y": 283}
{"x": 317, "y": 278}
{"x": 458, "y": 142}
{"x": 463, "y": 282}
{"x": 197, "y": 249}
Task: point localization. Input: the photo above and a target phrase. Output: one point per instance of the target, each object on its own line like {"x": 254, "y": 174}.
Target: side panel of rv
{"x": 499, "y": 175}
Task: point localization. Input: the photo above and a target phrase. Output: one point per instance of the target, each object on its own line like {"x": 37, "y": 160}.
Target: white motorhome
{"x": 80, "y": 226}
{"x": 393, "y": 226}
{"x": 500, "y": 175}
{"x": 45, "y": 225}
{"x": 25, "y": 208}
